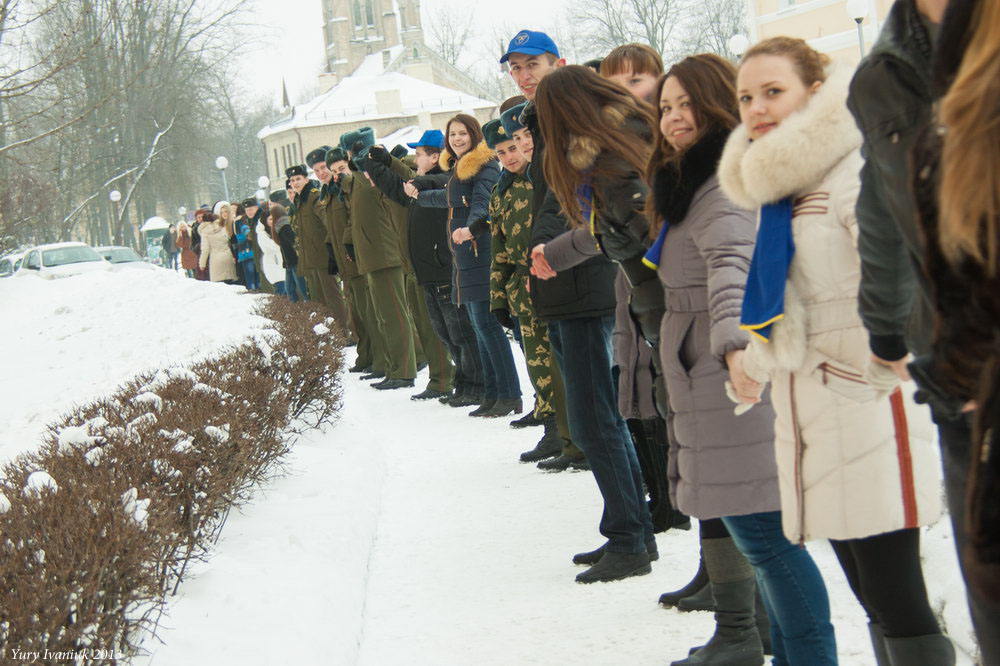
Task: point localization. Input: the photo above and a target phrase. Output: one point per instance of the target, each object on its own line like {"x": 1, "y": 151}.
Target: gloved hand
{"x": 380, "y": 155}
{"x": 349, "y": 248}
{"x": 503, "y": 316}
{"x": 399, "y": 152}
{"x": 882, "y": 378}
{"x": 331, "y": 260}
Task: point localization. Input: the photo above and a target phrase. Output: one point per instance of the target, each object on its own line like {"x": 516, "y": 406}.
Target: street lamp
{"x": 738, "y": 45}
{"x": 857, "y": 10}
{"x": 115, "y": 197}
{"x": 263, "y": 182}
{"x": 221, "y": 163}
{"x": 182, "y": 211}
{"x": 260, "y": 195}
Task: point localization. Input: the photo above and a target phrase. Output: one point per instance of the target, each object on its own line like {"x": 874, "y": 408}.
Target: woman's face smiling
{"x": 458, "y": 138}
{"x": 769, "y": 90}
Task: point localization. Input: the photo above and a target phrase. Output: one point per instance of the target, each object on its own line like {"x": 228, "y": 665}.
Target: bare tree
{"x": 711, "y": 24}
{"x": 450, "y": 32}
{"x": 606, "y": 24}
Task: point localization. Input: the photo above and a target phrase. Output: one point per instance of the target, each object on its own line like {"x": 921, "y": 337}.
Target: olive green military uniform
{"x": 430, "y": 348}
{"x": 336, "y": 220}
{"x": 376, "y": 247}
{"x": 510, "y": 213}
{"x": 309, "y": 223}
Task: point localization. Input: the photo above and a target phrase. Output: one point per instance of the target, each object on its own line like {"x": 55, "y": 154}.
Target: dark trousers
{"x": 499, "y": 371}
{"x": 956, "y": 442}
{"x": 453, "y": 326}
{"x": 583, "y": 352}
{"x": 885, "y": 575}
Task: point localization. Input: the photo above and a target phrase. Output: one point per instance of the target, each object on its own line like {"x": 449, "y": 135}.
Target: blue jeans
{"x": 499, "y": 372}
{"x": 792, "y": 589}
{"x": 582, "y": 349}
{"x": 295, "y": 286}
{"x": 279, "y": 288}
{"x": 250, "y": 275}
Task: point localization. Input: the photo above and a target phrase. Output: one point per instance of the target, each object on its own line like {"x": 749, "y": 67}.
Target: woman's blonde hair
{"x": 809, "y": 63}
{"x": 224, "y": 215}
{"x": 970, "y": 160}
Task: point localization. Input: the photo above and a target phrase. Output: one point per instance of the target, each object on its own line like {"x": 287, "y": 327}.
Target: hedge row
{"x": 100, "y": 524}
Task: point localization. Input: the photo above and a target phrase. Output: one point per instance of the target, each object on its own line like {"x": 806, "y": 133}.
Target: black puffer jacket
{"x": 426, "y": 228}
{"x": 467, "y": 196}
{"x": 585, "y": 290}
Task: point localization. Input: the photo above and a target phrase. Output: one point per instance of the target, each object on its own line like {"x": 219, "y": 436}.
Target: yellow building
{"x": 823, "y": 23}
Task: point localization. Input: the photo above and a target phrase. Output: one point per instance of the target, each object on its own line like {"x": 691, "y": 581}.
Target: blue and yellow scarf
{"x": 764, "y": 298}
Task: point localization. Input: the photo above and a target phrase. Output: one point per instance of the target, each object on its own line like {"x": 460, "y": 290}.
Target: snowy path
{"x": 408, "y": 534}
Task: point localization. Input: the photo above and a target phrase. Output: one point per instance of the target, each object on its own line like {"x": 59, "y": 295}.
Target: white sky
{"x": 292, "y": 39}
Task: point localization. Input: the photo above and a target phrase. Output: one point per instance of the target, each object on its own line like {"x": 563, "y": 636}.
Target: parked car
{"x": 9, "y": 263}
{"x": 58, "y": 260}
{"x": 124, "y": 258}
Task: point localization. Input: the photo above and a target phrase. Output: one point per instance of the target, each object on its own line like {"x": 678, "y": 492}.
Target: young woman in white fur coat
{"x": 856, "y": 463}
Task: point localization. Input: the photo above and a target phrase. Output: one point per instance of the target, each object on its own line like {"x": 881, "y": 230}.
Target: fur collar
{"x": 675, "y": 184}
{"x": 583, "y": 151}
{"x": 797, "y": 154}
{"x": 470, "y": 163}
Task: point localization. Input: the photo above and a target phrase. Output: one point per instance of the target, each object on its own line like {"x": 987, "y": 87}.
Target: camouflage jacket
{"x": 510, "y": 214}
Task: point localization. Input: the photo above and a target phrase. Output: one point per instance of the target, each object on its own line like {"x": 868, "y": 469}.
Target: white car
{"x": 124, "y": 258}
{"x": 9, "y": 263}
{"x": 58, "y": 260}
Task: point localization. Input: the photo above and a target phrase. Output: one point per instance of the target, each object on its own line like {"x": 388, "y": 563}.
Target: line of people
{"x": 709, "y": 270}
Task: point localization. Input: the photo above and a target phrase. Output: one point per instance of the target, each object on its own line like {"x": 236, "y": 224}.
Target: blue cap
{"x": 530, "y": 42}
{"x": 431, "y": 138}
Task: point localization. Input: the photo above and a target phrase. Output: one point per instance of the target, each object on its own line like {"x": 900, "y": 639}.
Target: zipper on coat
{"x": 840, "y": 373}
{"x": 799, "y": 486}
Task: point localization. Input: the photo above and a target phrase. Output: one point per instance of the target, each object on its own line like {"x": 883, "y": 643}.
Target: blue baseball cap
{"x": 432, "y": 138}
{"x": 530, "y": 42}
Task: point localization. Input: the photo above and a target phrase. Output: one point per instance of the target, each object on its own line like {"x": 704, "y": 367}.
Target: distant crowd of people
{"x": 722, "y": 279}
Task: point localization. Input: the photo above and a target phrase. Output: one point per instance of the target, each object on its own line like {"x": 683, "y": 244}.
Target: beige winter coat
{"x": 852, "y": 461}
{"x": 215, "y": 253}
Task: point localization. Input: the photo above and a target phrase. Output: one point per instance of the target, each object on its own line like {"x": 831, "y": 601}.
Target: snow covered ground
{"x": 405, "y": 533}
{"x": 408, "y": 533}
{"x": 72, "y": 340}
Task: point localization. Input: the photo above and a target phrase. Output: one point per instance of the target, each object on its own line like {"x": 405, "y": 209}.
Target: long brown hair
{"x": 277, "y": 211}
{"x": 634, "y": 58}
{"x": 471, "y": 125}
{"x": 579, "y": 109}
{"x": 710, "y": 83}
{"x": 970, "y": 160}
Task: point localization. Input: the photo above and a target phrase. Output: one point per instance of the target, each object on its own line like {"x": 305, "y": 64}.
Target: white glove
{"x": 741, "y": 407}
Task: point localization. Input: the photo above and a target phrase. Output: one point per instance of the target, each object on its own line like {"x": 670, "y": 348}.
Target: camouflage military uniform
{"x": 510, "y": 215}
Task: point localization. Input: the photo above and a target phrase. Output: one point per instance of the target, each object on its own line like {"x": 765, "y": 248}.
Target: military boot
{"x": 548, "y": 446}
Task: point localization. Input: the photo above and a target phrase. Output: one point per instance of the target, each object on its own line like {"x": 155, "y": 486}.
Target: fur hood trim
{"x": 676, "y": 183}
{"x": 470, "y": 163}
{"x": 583, "y": 151}
{"x": 797, "y": 154}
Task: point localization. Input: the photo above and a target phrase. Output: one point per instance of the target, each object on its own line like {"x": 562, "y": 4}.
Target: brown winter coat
{"x": 189, "y": 260}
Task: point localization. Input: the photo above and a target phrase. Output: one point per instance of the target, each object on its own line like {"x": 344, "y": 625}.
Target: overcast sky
{"x": 292, "y": 38}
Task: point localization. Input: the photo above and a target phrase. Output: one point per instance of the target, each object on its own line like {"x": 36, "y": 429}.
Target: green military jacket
{"x": 308, "y": 221}
{"x": 337, "y": 221}
{"x": 510, "y": 215}
{"x": 372, "y": 226}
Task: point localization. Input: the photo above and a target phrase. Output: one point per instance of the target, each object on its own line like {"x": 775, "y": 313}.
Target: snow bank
{"x": 72, "y": 340}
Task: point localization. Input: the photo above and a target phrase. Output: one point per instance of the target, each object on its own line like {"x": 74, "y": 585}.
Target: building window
{"x": 370, "y": 13}
{"x": 402, "y": 15}
{"x": 782, "y": 4}
{"x": 277, "y": 166}
{"x": 357, "y": 14}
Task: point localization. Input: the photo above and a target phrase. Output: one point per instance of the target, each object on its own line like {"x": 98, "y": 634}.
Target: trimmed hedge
{"x": 99, "y": 525}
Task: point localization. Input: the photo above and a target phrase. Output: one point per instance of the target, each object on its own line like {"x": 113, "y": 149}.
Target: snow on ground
{"x": 408, "y": 533}
{"x": 72, "y": 340}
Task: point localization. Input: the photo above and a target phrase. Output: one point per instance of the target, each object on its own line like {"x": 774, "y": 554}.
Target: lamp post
{"x": 857, "y": 10}
{"x": 115, "y": 197}
{"x": 221, "y": 163}
{"x": 260, "y": 195}
{"x": 182, "y": 211}
{"x": 738, "y": 45}
{"x": 263, "y": 182}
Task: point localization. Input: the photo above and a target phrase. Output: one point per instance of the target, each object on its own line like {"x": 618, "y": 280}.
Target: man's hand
{"x": 539, "y": 264}
{"x": 461, "y": 235}
{"x": 379, "y": 154}
{"x": 899, "y": 367}
{"x": 410, "y": 189}
{"x": 747, "y": 390}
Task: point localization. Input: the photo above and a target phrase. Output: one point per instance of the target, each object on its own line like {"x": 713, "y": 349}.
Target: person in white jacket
{"x": 856, "y": 462}
{"x": 271, "y": 260}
